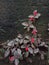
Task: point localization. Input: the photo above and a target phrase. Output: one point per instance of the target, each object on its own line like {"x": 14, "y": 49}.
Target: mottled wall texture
{"x": 13, "y": 10}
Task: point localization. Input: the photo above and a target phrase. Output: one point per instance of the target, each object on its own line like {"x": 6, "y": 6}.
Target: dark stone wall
{"x": 13, "y": 10}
